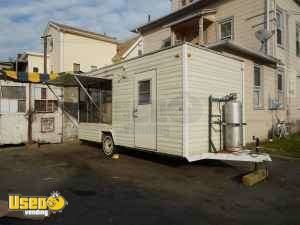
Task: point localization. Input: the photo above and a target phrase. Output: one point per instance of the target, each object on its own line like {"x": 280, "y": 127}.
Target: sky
{"x": 23, "y": 21}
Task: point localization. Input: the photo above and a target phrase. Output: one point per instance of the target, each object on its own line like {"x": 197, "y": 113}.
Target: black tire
{"x": 108, "y": 146}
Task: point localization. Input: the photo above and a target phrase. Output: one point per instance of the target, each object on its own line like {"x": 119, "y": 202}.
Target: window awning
{"x": 25, "y": 77}
{"x": 61, "y": 79}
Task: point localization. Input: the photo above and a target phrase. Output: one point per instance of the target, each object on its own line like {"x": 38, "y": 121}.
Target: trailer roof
{"x": 119, "y": 65}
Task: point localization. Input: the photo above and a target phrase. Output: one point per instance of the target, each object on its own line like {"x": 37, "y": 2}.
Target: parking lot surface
{"x": 141, "y": 188}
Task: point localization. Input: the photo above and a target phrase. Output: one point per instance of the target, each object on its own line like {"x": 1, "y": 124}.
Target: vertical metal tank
{"x": 233, "y": 126}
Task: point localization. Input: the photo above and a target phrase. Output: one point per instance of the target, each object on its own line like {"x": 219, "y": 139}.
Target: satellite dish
{"x": 263, "y": 36}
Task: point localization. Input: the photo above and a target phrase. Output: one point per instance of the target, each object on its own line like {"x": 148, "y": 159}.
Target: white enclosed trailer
{"x": 160, "y": 102}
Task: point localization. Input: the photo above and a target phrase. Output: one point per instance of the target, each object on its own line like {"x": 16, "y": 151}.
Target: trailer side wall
{"x": 208, "y": 73}
{"x": 167, "y": 65}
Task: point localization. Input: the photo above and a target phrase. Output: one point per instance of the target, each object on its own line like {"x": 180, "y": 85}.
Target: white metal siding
{"x": 92, "y": 131}
{"x": 167, "y": 63}
{"x": 13, "y": 126}
{"x": 208, "y": 74}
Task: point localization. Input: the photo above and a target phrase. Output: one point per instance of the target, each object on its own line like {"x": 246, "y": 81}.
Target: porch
{"x": 198, "y": 29}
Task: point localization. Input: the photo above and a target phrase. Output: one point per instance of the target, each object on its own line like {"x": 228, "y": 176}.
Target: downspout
{"x": 244, "y": 105}
{"x": 268, "y": 25}
{"x": 275, "y": 43}
{"x": 287, "y": 79}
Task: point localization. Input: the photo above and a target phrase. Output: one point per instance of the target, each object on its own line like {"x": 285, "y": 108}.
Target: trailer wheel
{"x": 108, "y": 146}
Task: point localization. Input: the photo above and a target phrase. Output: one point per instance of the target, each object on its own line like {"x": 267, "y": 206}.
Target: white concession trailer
{"x": 160, "y": 103}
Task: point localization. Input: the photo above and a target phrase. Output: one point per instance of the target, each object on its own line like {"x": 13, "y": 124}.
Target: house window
{"x": 35, "y": 69}
{"x": 298, "y": 40}
{"x": 280, "y": 27}
{"x": 166, "y": 43}
{"x": 280, "y": 89}
{"x": 76, "y": 67}
{"x": 258, "y": 88}
{"x": 51, "y": 45}
{"x": 12, "y": 99}
{"x": 140, "y": 52}
{"x": 45, "y": 106}
{"x": 42, "y": 104}
{"x": 226, "y": 29}
{"x": 93, "y": 68}
{"x": 145, "y": 92}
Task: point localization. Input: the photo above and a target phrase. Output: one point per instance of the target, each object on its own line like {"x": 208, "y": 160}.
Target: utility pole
{"x": 45, "y": 39}
{"x": 31, "y": 111}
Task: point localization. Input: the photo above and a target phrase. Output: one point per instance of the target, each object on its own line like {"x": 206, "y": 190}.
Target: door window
{"x": 144, "y": 92}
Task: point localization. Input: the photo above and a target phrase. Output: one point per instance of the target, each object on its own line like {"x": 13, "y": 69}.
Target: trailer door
{"x": 144, "y": 111}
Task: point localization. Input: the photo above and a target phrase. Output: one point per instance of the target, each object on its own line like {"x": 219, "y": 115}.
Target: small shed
{"x": 30, "y": 111}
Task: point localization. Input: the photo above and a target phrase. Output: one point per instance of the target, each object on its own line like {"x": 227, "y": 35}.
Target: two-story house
{"x": 73, "y": 49}
{"x": 264, "y": 33}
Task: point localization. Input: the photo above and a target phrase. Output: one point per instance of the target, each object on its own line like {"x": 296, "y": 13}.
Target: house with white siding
{"x": 32, "y": 62}
{"x": 73, "y": 49}
{"x": 129, "y": 49}
{"x": 234, "y": 27}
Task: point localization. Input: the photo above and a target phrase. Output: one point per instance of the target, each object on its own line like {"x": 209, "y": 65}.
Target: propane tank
{"x": 233, "y": 126}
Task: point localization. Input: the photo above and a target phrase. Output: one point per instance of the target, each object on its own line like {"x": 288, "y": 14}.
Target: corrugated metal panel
{"x": 13, "y": 124}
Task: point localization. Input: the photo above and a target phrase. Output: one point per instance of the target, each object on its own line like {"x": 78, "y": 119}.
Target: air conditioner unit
{"x": 274, "y": 104}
